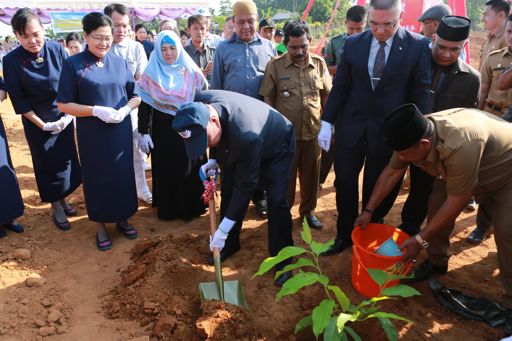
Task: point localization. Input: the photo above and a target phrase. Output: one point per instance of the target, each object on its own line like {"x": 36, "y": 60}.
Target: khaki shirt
{"x": 297, "y": 92}
{"x": 471, "y": 151}
{"x": 491, "y": 71}
{"x": 493, "y": 43}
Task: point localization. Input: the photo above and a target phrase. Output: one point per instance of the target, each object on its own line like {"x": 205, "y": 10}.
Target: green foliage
{"x": 335, "y": 315}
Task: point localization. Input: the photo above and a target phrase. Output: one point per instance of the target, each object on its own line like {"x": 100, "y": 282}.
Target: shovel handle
{"x": 213, "y": 221}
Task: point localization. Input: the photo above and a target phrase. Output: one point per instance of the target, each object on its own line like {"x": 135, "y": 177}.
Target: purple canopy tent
{"x": 144, "y": 10}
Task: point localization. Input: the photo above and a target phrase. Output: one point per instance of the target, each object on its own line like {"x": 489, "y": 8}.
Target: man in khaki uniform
{"x": 495, "y": 101}
{"x": 470, "y": 152}
{"x": 492, "y": 99}
{"x": 494, "y": 16}
{"x": 297, "y": 85}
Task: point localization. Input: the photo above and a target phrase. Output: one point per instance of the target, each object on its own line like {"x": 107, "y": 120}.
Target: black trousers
{"x": 275, "y": 178}
{"x": 415, "y": 207}
{"x": 347, "y": 166}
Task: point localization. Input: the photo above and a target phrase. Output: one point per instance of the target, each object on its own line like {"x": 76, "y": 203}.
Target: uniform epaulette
{"x": 498, "y": 51}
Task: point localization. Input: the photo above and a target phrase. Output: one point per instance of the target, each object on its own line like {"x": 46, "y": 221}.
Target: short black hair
{"x": 295, "y": 29}
{"x": 356, "y": 13}
{"x": 184, "y": 33}
{"x": 95, "y": 20}
{"x": 119, "y": 8}
{"x": 72, "y": 36}
{"x": 499, "y": 6}
{"x": 139, "y": 26}
{"x": 21, "y": 18}
{"x": 198, "y": 18}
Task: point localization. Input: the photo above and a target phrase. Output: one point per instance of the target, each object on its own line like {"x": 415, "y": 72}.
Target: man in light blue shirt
{"x": 239, "y": 64}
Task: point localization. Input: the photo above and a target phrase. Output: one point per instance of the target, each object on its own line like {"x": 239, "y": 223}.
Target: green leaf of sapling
{"x": 285, "y": 253}
{"x": 322, "y": 315}
{"x": 401, "y": 290}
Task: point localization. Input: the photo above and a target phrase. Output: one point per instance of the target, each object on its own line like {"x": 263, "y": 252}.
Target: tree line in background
{"x": 322, "y": 9}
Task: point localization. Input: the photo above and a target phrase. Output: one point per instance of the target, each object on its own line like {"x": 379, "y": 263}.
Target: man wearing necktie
{"x": 379, "y": 70}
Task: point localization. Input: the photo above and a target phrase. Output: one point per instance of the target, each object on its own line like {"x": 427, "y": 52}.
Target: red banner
{"x": 308, "y": 8}
{"x": 321, "y": 45}
{"x": 414, "y": 9}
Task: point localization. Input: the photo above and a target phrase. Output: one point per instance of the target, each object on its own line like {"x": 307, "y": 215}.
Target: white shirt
{"x": 134, "y": 54}
{"x": 373, "y": 53}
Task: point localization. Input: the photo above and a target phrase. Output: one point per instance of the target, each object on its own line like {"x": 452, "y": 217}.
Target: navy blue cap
{"x": 190, "y": 122}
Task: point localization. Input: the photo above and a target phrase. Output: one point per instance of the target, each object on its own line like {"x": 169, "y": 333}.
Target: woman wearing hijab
{"x": 170, "y": 80}
{"x": 31, "y": 74}
{"x": 10, "y": 195}
{"x": 97, "y": 88}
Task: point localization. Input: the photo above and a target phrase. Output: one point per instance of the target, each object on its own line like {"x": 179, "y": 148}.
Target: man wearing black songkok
{"x": 470, "y": 152}
{"x": 455, "y": 84}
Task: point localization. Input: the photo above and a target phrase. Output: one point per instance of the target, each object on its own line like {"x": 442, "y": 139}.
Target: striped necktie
{"x": 379, "y": 64}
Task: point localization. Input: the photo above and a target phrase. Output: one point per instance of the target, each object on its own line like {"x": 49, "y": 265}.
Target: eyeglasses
{"x": 100, "y": 39}
{"x": 384, "y": 26}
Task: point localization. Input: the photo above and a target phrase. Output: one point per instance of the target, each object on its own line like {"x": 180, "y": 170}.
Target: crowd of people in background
{"x": 129, "y": 92}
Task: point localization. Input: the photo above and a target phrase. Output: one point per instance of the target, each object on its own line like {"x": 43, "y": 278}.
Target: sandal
{"x": 103, "y": 245}
{"x": 130, "y": 232}
{"x": 64, "y": 226}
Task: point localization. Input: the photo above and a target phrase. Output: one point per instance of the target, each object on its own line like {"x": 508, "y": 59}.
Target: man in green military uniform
{"x": 354, "y": 23}
{"x": 297, "y": 85}
{"x": 470, "y": 151}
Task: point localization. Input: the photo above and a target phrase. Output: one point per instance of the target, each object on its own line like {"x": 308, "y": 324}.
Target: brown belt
{"x": 494, "y": 107}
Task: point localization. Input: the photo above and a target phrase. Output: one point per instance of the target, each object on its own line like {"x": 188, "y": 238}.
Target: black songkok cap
{"x": 454, "y": 28}
{"x": 404, "y": 127}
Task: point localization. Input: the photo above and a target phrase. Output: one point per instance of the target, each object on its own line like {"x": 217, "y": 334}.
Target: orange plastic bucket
{"x": 364, "y": 257}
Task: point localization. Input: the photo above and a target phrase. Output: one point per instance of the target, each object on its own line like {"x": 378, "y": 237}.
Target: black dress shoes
{"x": 426, "y": 269}
{"x": 478, "y": 235}
{"x": 224, "y": 254}
{"x": 261, "y": 207}
{"x": 313, "y": 222}
{"x": 338, "y": 246}
{"x": 279, "y": 281}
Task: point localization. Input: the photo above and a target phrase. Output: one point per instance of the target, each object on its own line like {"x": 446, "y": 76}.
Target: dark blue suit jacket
{"x": 355, "y": 107}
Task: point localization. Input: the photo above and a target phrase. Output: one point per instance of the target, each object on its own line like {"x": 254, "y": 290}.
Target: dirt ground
{"x": 59, "y": 287}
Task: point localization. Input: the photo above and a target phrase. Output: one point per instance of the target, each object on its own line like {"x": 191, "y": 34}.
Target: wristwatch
{"x": 423, "y": 243}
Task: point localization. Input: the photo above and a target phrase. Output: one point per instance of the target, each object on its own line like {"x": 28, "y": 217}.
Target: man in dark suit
{"x": 254, "y": 143}
{"x": 379, "y": 70}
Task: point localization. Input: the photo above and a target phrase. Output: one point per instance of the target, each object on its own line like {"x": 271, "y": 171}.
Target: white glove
{"x": 145, "y": 143}
{"x": 219, "y": 238}
{"x": 210, "y": 168}
{"x": 124, "y": 111}
{"x": 324, "y": 136}
{"x": 107, "y": 114}
{"x": 59, "y": 125}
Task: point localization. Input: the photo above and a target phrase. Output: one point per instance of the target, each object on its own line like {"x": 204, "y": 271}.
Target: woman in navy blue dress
{"x": 32, "y": 74}
{"x": 97, "y": 88}
{"x": 10, "y": 195}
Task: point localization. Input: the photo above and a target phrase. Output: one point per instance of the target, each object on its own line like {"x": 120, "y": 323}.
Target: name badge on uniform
{"x": 39, "y": 60}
